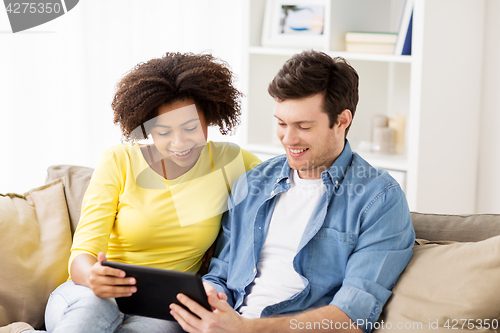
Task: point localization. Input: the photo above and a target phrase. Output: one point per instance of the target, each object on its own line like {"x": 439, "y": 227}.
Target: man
{"x": 322, "y": 236}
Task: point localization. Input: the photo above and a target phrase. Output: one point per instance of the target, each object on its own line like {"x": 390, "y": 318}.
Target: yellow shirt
{"x": 138, "y": 217}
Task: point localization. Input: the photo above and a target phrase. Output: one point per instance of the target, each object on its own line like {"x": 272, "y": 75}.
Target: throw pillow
{"x": 35, "y": 240}
{"x": 447, "y": 287}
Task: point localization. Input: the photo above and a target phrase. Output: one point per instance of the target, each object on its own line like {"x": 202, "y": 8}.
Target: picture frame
{"x": 297, "y": 23}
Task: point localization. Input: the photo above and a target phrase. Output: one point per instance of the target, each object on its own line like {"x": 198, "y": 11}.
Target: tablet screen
{"x": 157, "y": 289}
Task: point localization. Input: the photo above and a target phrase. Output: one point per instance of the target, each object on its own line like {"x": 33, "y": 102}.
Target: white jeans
{"x": 74, "y": 308}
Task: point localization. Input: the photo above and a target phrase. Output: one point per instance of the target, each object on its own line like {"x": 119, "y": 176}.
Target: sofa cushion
{"x": 35, "y": 240}
{"x": 458, "y": 228}
{"x": 447, "y": 283}
{"x": 76, "y": 180}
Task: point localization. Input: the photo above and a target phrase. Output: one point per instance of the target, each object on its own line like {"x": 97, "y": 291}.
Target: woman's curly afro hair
{"x": 173, "y": 77}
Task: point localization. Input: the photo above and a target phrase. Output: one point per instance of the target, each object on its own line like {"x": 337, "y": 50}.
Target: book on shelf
{"x": 370, "y": 48}
{"x": 403, "y": 42}
{"x": 370, "y": 37}
{"x": 370, "y": 42}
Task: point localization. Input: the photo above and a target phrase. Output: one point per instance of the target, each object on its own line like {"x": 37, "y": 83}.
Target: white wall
{"x": 488, "y": 193}
{"x": 57, "y": 80}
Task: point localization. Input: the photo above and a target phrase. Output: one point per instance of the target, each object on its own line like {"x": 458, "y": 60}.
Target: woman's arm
{"x": 81, "y": 267}
{"x": 104, "y": 281}
{"x": 99, "y": 209}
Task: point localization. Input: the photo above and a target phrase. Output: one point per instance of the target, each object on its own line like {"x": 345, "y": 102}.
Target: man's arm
{"x": 219, "y": 265}
{"x": 325, "y": 319}
{"x": 225, "y": 319}
{"x": 382, "y": 251}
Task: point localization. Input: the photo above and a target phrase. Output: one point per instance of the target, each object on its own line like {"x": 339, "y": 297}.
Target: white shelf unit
{"x": 438, "y": 88}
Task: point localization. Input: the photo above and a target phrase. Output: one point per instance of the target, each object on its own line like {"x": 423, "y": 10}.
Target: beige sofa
{"x": 451, "y": 284}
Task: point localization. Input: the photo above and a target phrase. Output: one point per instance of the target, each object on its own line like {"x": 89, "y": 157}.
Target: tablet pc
{"x": 157, "y": 289}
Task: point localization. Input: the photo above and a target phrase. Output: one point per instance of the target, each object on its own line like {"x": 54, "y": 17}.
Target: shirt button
{"x": 272, "y": 193}
{"x": 336, "y": 182}
{"x": 288, "y": 181}
{"x": 255, "y": 270}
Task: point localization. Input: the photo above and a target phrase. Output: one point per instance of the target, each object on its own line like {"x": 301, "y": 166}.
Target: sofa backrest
{"x": 458, "y": 228}
{"x": 76, "y": 180}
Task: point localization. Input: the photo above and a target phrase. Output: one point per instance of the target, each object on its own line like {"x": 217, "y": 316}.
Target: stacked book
{"x": 370, "y": 42}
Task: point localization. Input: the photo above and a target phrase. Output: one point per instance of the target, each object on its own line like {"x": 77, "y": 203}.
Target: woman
{"x": 158, "y": 204}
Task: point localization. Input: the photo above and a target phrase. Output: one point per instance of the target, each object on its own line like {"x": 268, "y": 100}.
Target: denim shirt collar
{"x": 331, "y": 177}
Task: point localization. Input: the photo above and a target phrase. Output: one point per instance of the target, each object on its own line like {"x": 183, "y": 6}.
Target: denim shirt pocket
{"x": 333, "y": 234}
{"x": 327, "y": 254}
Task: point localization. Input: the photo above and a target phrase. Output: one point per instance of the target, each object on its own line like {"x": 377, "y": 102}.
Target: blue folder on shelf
{"x": 403, "y": 42}
{"x": 407, "y": 44}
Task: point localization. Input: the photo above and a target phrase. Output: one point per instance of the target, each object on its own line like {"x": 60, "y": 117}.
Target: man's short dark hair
{"x": 311, "y": 72}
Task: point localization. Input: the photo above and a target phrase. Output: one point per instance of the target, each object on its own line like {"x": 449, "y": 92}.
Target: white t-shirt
{"x": 276, "y": 278}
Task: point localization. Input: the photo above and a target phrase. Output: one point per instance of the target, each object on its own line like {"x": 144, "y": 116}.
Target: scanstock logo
{"x": 26, "y": 14}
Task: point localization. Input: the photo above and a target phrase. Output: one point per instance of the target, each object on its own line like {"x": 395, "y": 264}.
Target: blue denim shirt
{"x": 356, "y": 243}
